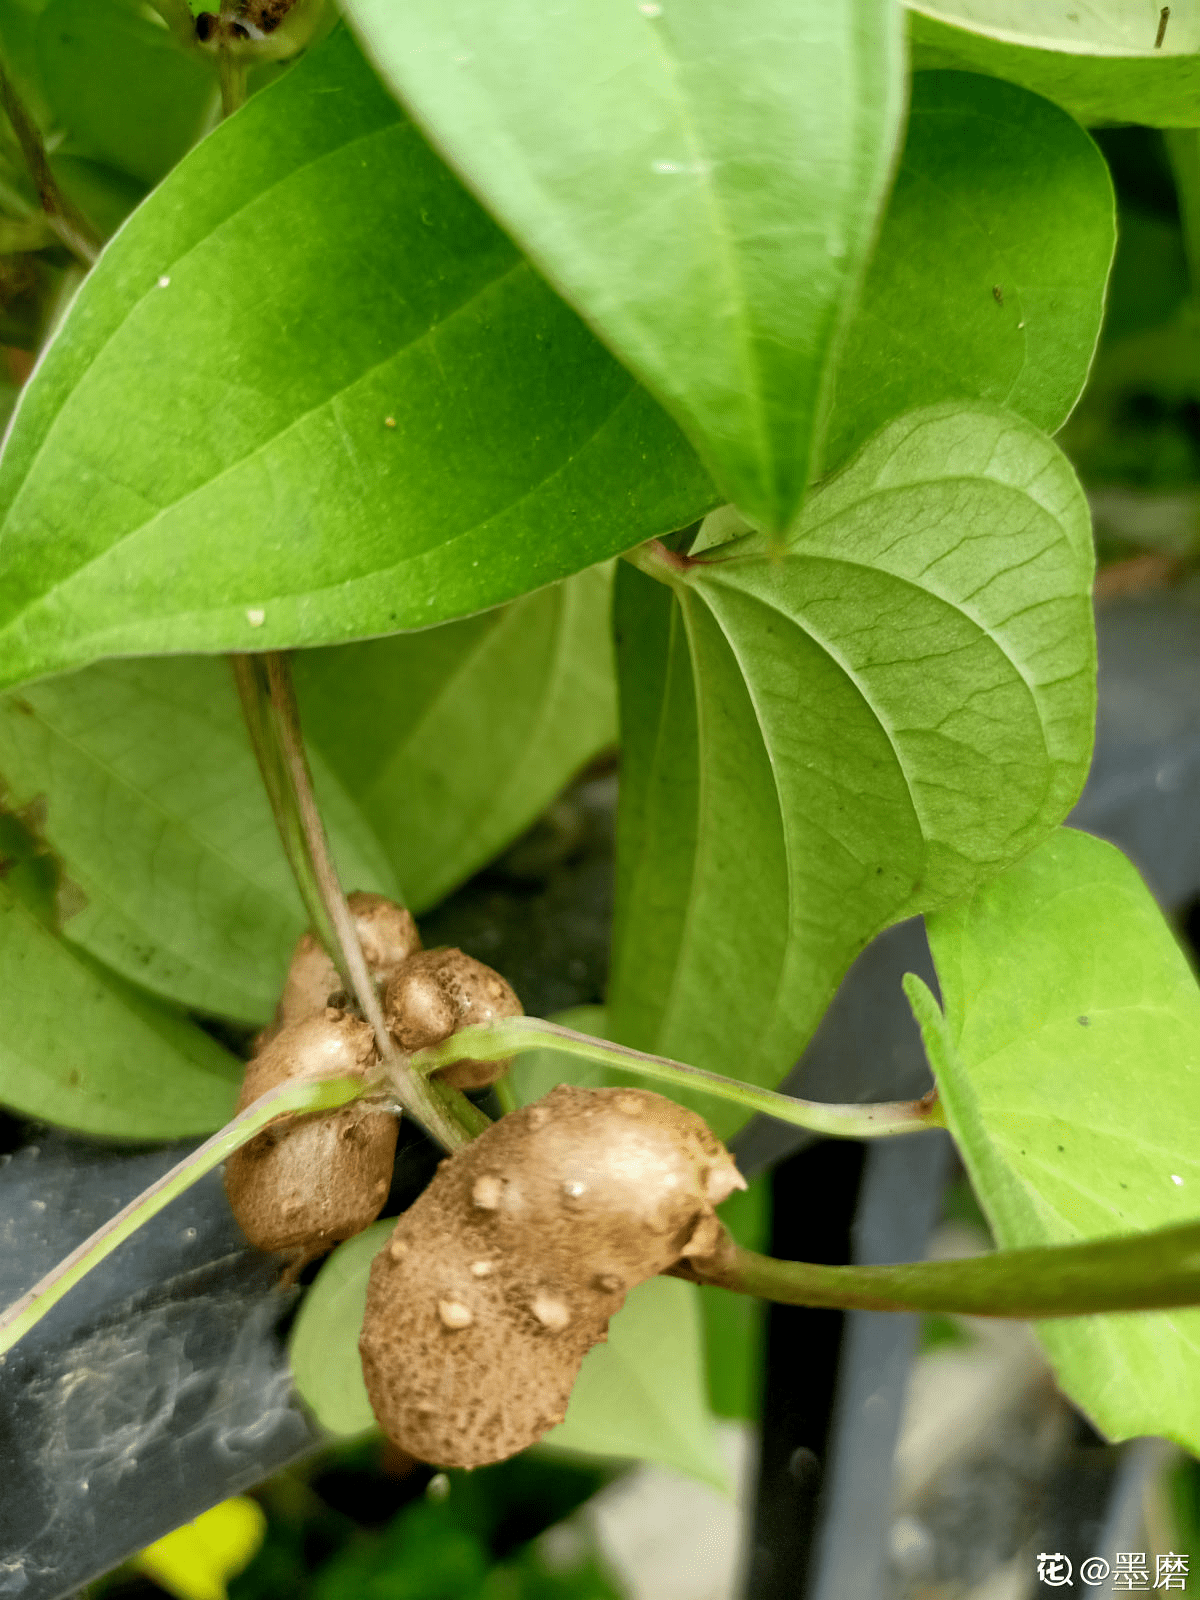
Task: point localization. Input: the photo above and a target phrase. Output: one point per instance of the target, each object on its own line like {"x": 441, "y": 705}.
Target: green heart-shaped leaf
{"x": 987, "y": 281}
{"x": 1068, "y": 1061}
{"x": 822, "y": 743}
{"x": 311, "y": 393}
{"x": 701, "y": 181}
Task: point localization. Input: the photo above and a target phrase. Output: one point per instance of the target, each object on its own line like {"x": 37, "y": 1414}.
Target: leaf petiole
{"x": 314, "y": 1094}
{"x": 1139, "y": 1272}
{"x": 493, "y": 1041}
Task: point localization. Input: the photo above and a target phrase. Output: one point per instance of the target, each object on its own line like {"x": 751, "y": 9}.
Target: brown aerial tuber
{"x": 436, "y": 993}
{"x": 506, "y": 1270}
{"x": 307, "y": 1182}
{"x": 388, "y": 936}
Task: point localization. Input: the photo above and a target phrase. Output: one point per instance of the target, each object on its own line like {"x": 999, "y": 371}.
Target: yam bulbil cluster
{"x": 507, "y": 1269}
{"x": 306, "y": 1183}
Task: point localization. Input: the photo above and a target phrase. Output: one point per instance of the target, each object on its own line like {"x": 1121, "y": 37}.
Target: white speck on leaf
{"x": 256, "y": 616}
{"x": 164, "y": 282}
{"x": 1175, "y": 1178}
{"x": 685, "y": 168}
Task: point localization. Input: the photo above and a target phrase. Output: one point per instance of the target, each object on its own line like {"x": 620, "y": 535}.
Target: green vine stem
{"x": 273, "y": 722}
{"x": 493, "y": 1041}
{"x": 313, "y": 1094}
{"x": 253, "y": 686}
{"x": 67, "y": 221}
{"x": 1141, "y": 1272}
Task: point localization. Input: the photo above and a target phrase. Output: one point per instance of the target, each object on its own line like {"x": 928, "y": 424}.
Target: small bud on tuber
{"x": 440, "y": 991}
{"x": 306, "y": 1183}
{"x": 388, "y": 936}
{"x": 565, "y": 1205}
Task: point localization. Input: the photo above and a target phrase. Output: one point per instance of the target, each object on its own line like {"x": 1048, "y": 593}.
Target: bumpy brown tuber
{"x": 436, "y": 993}
{"x": 388, "y": 936}
{"x": 506, "y": 1270}
{"x": 308, "y": 1182}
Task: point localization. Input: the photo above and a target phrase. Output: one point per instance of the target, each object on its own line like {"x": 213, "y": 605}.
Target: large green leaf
{"x": 1098, "y": 60}
{"x": 117, "y": 80}
{"x": 453, "y": 740}
{"x": 152, "y": 801}
{"x": 80, "y": 1047}
{"x": 700, "y": 180}
{"x": 640, "y": 1395}
{"x": 1068, "y": 1062}
{"x": 821, "y": 743}
{"x": 431, "y": 751}
{"x": 311, "y": 393}
{"x": 987, "y": 282}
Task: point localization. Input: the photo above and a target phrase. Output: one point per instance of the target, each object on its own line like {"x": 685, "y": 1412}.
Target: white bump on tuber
{"x": 454, "y": 1314}
{"x": 551, "y": 1313}
{"x": 482, "y": 1269}
{"x": 487, "y": 1192}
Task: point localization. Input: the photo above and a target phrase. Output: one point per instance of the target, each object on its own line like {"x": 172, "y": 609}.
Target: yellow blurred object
{"x": 195, "y": 1561}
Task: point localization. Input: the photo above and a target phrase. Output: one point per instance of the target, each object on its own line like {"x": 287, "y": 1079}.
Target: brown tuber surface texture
{"x": 506, "y": 1270}
{"x": 307, "y": 1182}
{"x": 388, "y": 936}
{"x": 440, "y": 991}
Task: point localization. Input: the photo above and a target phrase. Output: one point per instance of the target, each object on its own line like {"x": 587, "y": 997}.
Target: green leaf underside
{"x": 81, "y": 1048}
{"x": 987, "y": 281}
{"x": 430, "y": 751}
{"x": 323, "y": 1347}
{"x": 819, "y": 745}
{"x": 1098, "y": 61}
{"x": 154, "y": 805}
{"x": 641, "y": 1395}
{"x": 106, "y": 82}
{"x": 120, "y": 84}
{"x": 484, "y": 720}
{"x": 1068, "y": 1062}
{"x": 314, "y": 271}
{"x": 700, "y": 181}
